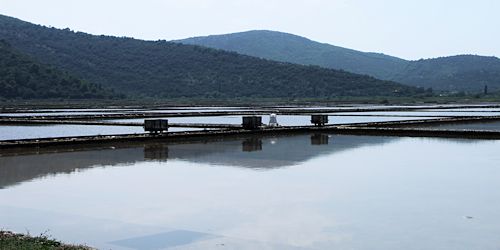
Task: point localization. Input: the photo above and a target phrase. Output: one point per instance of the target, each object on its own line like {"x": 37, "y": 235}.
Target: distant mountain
{"x": 22, "y": 77}
{"x": 165, "y": 69}
{"x": 457, "y": 73}
{"x": 286, "y": 47}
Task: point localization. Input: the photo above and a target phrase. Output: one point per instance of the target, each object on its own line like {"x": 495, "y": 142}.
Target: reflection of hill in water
{"x": 269, "y": 152}
{"x": 248, "y": 152}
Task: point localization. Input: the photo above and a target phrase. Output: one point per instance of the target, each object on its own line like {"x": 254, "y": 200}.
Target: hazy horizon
{"x": 404, "y": 29}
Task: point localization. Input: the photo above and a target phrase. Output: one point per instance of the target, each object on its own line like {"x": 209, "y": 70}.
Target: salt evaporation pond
{"x": 284, "y": 120}
{"x": 491, "y": 126}
{"x": 425, "y": 113}
{"x": 16, "y": 132}
{"x": 13, "y": 132}
{"x": 306, "y": 191}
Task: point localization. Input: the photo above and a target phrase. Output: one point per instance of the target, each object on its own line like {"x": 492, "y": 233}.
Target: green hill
{"x": 165, "y": 69}
{"x": 22, "y": 77}
{"x": 286, "y": 47}
{"x": 457, "y": 73}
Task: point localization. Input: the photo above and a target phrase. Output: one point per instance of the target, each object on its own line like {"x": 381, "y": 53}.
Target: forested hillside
{"x": 286, "y": 47}
{"x": 457, "y": 73}
{"x": 164, "y": 69}
{"x": 468, "y": 73}
{"x": 21, "y": 77}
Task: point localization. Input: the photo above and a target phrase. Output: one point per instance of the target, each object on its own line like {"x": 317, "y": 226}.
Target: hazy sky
{"x": 410, "y": 29}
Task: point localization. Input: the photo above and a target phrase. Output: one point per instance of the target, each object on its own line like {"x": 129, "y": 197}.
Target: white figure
{"x": 273, "y": 121}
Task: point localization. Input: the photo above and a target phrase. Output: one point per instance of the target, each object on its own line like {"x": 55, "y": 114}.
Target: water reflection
{"x": 156, "y": 152}
{"x": 354, "y": 192}
{"x": 319, "y": 139}
{"x": 253, "y": 152}
{"x": 252, "y": 144}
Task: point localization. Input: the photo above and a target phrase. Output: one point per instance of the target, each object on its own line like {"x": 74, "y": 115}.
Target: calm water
{"x": 57, "y": 113}
{"x": 39, "y": 131}
{"x": 429, "y": 113}
{"x": 10, "y": 132}
{"x": 492, "y": 126}
{"x": 42, "y": 131}
{"x": 468, "y": 110}
{"x": 310, "y": 191}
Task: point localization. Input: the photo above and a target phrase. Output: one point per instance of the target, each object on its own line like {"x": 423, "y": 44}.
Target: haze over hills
{"x": 164, "y": 69}
{"x": 457, "y": 73}
{"x": 22, "y": 77}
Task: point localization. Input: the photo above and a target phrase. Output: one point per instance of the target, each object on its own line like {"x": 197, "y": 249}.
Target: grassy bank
{"x": 9, "y": 240}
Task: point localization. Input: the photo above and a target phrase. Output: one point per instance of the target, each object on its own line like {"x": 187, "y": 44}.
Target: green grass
{"x": 9, "y": 240}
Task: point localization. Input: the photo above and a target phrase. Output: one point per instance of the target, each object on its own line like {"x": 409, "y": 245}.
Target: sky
{"x": 410, "y": 29}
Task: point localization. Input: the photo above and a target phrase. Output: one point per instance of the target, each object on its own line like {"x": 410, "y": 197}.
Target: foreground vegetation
{"x": 13, "y": 241}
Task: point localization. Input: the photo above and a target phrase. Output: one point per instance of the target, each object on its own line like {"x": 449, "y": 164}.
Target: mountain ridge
{"x": 246, "y": 43}
{"x": 292, "y": 48}
{"x": 164, "y": 69}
